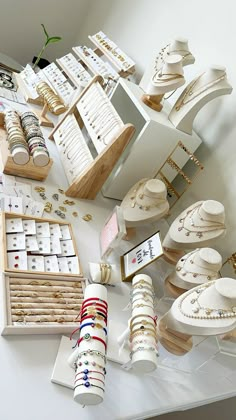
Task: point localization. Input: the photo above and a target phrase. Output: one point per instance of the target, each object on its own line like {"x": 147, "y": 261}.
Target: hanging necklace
{"x": 202, "y": 311}
{"x": 190, "y": 94}
{"x": 199, "y": 234}
{"x": 135, "y": 195}
{"x": 158, "y": 77}
{"x": 190, "y": 258}
{"x": 160, "y": 58}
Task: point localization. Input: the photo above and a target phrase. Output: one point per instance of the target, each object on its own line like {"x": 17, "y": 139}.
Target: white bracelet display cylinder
{"x": 91, "y": 357}
{"x": 196, "y": 267}
{"x": 199, "y": 92}
{"x": 201, "y": 224}
{"x": 104, "y": 273}
{"x": 143, "y": 335}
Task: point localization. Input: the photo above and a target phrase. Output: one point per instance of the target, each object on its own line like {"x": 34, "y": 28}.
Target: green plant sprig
{"x": 49, "y": 40}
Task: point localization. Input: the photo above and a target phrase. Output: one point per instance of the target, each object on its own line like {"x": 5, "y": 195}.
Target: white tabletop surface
{"x": 27, "y": 361}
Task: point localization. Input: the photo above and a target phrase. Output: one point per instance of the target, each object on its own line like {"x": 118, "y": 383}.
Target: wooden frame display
{"x": 32, "y": 310}
{"x": 91, "y": 180}
{"x": 46, "y": 275}
{"x": 9, "y": 167}
{"x": 140, "y": 256}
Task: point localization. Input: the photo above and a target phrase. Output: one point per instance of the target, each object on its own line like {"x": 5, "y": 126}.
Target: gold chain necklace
{"x": 199, "y": 234}
{"x": 201, "y": 311}
{"x": 157, "y": 78}
{"x": 136, "y": 195}
{"x": 160, "y": 58}
{"x": 190, "y": 258}
{"x": 192, "y": 95}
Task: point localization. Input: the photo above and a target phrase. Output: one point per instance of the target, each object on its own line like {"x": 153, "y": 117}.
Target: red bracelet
{"x": 100, "y": 300}
{"x": 94, "y": 317}
{"x": 85, "y": 378}
{"x": 94, "y": 305}
{"x": 88, "y": 337}
{"x": 93, "y": 311}
{"x": 86, "y": 372}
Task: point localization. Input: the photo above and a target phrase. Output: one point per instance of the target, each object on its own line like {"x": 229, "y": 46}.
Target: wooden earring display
{"x": 28, "y": 170}
{"x": 87, "y": 177}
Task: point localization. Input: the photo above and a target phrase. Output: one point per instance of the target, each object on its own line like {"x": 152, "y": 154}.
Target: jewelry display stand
{"x": 199, "y": 92}
{"x": 154, "y": 140}
{"x": 9, "y": 167}
{"x": 91, "y": 173}
{"x": 201, "y": 224}
{"x": 168, "y": 78}
{"x": 104, "y": 273}
{"x": 179, "y": 45}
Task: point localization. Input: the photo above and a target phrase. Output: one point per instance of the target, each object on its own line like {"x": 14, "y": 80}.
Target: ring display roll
{"x": 89, "y": 386}
{"x": 17, "y": 143}
{"x": 143, "y": 334}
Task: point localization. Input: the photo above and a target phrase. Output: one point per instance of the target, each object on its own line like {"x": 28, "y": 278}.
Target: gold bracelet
{"x": 147, "y": 331}
{"x": 141, "y": 315}
{"x": 140, "y": 283}
{"x": 105, "y": 272}
{"x": 141, "y": 305}
{"x": 142, "y": 322}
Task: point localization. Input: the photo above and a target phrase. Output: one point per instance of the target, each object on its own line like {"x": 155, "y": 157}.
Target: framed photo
{"x": 7, "y": 79}
{"x": 140, "y": 256}
{"x": 112, "y": 232}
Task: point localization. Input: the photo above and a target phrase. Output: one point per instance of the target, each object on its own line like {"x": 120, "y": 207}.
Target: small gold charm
{"x": 62, "y": 208}
{"x": 61, "y": 191}
{"x": 68, "y": 202}
{"x": 87, "y": 217}
{"x": 39, "y": 189}
{"x": 75, "y": 214}
{"x": 48, "y": 207}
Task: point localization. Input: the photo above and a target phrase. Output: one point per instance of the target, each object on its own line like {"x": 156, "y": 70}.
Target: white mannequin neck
{"x": 168, "y": 78}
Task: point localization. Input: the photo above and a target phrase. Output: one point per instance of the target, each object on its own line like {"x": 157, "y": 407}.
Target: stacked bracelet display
{"x": 53, "y": 101}
{"x": 92, "y": 345}
{"x": 143, "y": 334}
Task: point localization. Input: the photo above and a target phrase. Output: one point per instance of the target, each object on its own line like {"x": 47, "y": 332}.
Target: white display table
{"x": 27, "y": 361}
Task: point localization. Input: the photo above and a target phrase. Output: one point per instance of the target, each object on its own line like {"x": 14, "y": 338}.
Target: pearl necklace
{"x": 203, "y": 312}
{"x": 189, "y": 92}
{"x": 190, "y": 258}
{"x": 190, "y": 213}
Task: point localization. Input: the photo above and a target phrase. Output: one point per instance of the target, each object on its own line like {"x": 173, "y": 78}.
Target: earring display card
{"x": 41, "y": 240}
{"x": 42, "y": 230}
{"x": 32, "y": 208}
{"x": 14, "y": 225}
{"x": 15, "y": 241}
{"x": 112, "y": 232}
{"x": 140, "y": 256}
{"x": 12, "y": 205}
{"x": 38, "y": 306}
{"x": 17, "y": 260}
{"x": 29, "y": 227}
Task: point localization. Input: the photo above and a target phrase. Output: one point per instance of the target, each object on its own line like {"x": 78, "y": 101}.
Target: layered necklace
{"x": 201, "y": 312}
{"x": 159, "y": 61}
{"x": 210, "y": 275}
{"x": 212, "y": 225}
{"x": 190, "y": 93}
{"x": 139, "y": 195}
{"x": 162, "y": 78}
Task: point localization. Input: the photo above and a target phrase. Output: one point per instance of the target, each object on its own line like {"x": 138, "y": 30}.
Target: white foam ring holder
{"x": 144, "y": 361}
{"x": 91, "y": 395}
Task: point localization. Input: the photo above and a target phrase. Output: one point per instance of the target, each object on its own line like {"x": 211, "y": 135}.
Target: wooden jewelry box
{"x": 9, "y": 167}
{"x": 38, "y": 306}
{"x": 4, "y": 265}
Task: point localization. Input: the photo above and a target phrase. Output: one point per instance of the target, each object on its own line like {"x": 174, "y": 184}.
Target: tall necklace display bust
{"x": 208, "y": 309}
{"x": 170, "y": 77}
{"x": 209, "y": 85}
{"x": 197, "y": 267}
{"x": 145, "y": 203}
{"x": 200, "y": 225}
{"x": 179, "y": 46}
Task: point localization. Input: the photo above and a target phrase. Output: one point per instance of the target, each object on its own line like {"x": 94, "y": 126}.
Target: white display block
{"x": 153, "y": 141}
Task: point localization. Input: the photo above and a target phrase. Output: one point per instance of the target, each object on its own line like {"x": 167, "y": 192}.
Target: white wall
{"x": 141, "y": 27}
{"x": 22, "y": 36}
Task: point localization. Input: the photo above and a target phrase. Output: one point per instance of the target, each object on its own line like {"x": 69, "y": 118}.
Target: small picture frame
{"x": 140, "y": 256}
{"x": 112, "y": 232}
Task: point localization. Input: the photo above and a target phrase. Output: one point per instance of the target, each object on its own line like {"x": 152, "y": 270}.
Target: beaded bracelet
{"x": 94, "y": 312}
{"x": 142, "y": 322}
{"x": 144, "y": 349}
{"x": 90, "y": 352}
{"x": 93, "y": 317}
{"x": 93, "y": 325}
{"x": 145, "y": 315}
{"x": 86, "y": 377}
{"x": 143, "y": 329}
{"x": 87, "y": 363}
{"x": 86, "y": 371}
{"x": 87, "y": 385}
{"x": 143, "y": 334}
{"x": 88, "y": 337}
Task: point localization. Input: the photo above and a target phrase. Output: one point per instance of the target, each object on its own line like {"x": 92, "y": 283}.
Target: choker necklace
{"x": 201, "y": 311}
{"x": 157, "y": 78}
{"x": 190, "y": 258}
{"x": 141, "y": 196}
{"x": 190, "y": 94}
{"x": 208, "y": 228}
